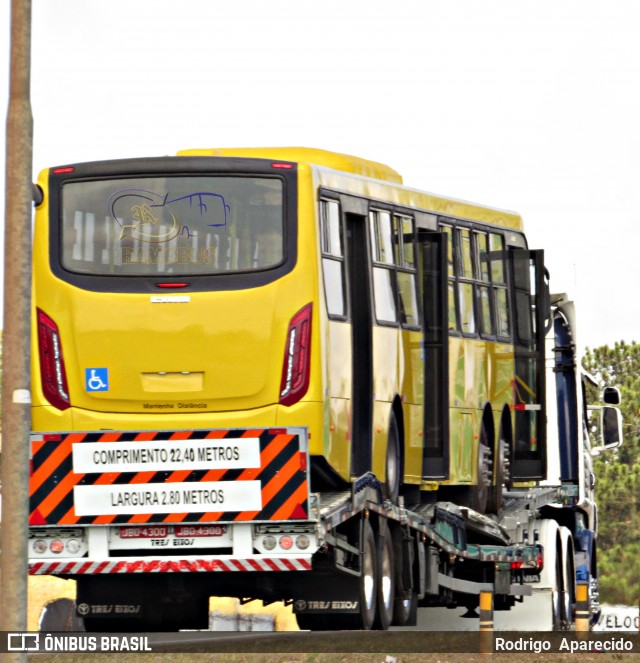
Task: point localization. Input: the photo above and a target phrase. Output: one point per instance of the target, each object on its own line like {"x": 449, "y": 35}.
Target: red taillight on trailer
{"x": 52, "y": 371}
{"x": 297, "y": 358}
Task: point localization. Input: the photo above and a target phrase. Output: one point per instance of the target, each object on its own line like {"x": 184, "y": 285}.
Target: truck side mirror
{"x": 611, "y": 396}
{"x": 611, "y": 427}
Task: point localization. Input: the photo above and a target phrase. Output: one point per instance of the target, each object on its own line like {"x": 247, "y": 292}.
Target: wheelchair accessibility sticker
{"x": 96, "y": 379}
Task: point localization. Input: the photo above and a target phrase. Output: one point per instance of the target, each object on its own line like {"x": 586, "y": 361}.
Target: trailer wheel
{"x": 386, "y": 585}
{"x": 365, "y": 591}
{"x": 568, "y": 589}
{"x": 367, "y": 584}
{"x": 405, "y": 611}
{"x": 405, "y": 608}
{"x": 557, "y": 591}
{"x": 368, "y": 579}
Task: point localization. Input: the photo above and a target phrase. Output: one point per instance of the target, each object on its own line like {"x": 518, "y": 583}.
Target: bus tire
{"x": 393, "y": 462}
{"x": 386, "y": 585}
{"x": 477, "y": 496}
{"x": 501, "y": 477}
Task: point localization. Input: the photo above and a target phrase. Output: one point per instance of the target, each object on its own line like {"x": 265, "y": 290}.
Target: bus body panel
{"x": 231, "y": 361}
{"x": 337, "y": 347}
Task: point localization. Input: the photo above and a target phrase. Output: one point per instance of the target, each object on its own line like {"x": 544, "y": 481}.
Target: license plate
{"x": 199, "y": 530}
{"x": 148, "y": 532}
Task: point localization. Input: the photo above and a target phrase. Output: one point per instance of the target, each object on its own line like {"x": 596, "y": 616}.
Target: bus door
{"x": 530, "y": 306}
{"x": 435, "y": 345}
{"x": 359, "y": 296}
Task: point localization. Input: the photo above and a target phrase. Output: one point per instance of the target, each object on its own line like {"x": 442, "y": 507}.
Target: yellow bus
{"x": 252, "y": 288}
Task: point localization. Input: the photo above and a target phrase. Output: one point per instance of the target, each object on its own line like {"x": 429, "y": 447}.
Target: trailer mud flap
{"x": 101, "y": 478}
{"x": 329, "y": 597}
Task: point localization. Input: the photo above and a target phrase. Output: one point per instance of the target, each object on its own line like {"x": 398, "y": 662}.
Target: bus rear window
{"x": 184, "y": 226}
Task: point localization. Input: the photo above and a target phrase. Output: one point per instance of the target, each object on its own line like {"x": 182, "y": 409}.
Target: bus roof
{"x": 310, "y": 155}
{"x": 379, "y": 181}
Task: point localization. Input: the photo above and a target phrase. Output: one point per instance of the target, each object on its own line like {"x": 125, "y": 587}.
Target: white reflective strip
{"x": 163, "y": 565}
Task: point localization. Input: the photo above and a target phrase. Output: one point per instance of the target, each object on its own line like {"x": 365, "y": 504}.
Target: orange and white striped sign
{"x": 200, "y": 476}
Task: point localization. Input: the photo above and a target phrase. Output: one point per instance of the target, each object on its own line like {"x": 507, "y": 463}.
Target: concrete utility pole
{"x": 17, "y": 330}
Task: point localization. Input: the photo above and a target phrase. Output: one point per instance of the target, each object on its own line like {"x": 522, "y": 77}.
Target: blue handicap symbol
{"x": 96, "y": 379}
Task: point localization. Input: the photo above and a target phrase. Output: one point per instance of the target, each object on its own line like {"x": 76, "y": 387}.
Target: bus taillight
{"x": 52, "y": 371}
{"x": 297, "y": 358}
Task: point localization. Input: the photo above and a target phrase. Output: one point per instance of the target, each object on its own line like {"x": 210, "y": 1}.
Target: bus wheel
{"x": 393, "y": 465}
{"x": 477, "y": 496}
{"x": 386, "y": 586}
{"x": 502, "y": 477}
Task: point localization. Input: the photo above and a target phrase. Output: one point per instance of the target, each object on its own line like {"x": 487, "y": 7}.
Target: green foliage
{"x": 618, "y": 477}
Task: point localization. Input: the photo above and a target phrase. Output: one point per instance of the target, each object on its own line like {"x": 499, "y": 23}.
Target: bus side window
{"x": 485, "y": 306}
{"x": 332, "y": 257}
{"x": 498, "y": 278}
{"x": 384, "y": 282}
{"x": 406, "y": 269}
{"x": 465, "y": 285}
{"x": 453, "y": 318}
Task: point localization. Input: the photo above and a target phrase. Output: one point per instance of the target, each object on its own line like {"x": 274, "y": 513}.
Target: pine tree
{"x": 618, "y": 477}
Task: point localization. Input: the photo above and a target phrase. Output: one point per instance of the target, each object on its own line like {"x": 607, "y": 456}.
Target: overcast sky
{"x": 529, "y": 106}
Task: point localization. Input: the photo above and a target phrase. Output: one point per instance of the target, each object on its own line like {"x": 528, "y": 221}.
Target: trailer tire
{"x": 556, "y": 600}
{"x": 368, "y": 579}
{"x": 365, "y": 591}
{"x": 365, "y": 618}
{"x": 568, "y": 583}
{"x": 405, "y": 612}
{"x": 386, "y": 585}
